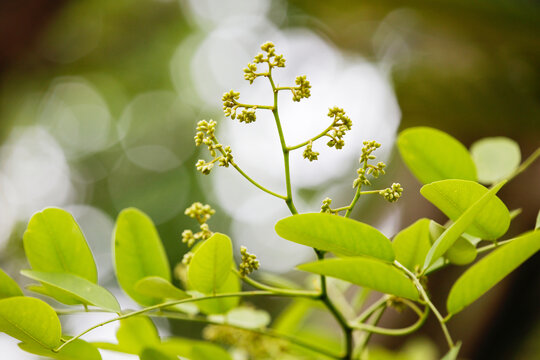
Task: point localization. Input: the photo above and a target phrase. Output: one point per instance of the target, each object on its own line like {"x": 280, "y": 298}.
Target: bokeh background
{"x": 99, "y": 101}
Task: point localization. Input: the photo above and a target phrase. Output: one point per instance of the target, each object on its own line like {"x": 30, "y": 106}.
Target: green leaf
{"x": 433, "y": 155}
{"x": 138, "y": 253}
{"x": 53, "y": 242}
{"x": 462, "y": 252}
{"x": 135, "y": 334}
{"x": 159, "y": 287}
{"x": 292, "y": 317}
{"x": 412, "y": 244}
{"x": 222, "y": 305}
{"x": 337, "y": 234}
{"x": 81, "y": 289}
{"x": 75, "y": 350}
{"x": 208, "y": 351}
{"x": 245, "y": 317}
{"x": 154, "y": 354}
{"x": 30, "y": 320}
{"x": 449, "y": 237}
{"x": 368, "y": 272}
{"x": 452, "y": 354}
{"x": 8, "y": 286}
{"x": 486, "y": 273}
{"x": 211, "y": 264}
{"x": 496, "y": 158}
{"x": 454, "y": 197}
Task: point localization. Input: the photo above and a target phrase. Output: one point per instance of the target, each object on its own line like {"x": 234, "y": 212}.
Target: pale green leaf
{"x": 450, "y": 235}
{"x": 452, "y": 354}
{"x": 138, "y": 253}
{"x": 337, "y": 234}
{"x": 154, "y": 354}
{"x": 412, "y": 244}
{"x": 75, "y": 350}
{"x": 208, "y": 351}
{"x": 135, "y": 334}
{"x": 211, "y": 264}
{"x": 222, "y": 305}
{"x": 30, "y": 320}
{"x": 454, "y": 197}
{"x": 79, "y": 288}
{"x": 462, "y": 252}
{"x": 368, "y": 272}
{"x": 246, "y": 317}
{"x": 292, "y": 317}
{"x": 159, "y": 287}
{"x": 433, "y": 155}
{"x": 53, "y": 242}
{"x": 8, "y": 286}
{"x": 486, "y": 273}
{"x": 496, "y": 158}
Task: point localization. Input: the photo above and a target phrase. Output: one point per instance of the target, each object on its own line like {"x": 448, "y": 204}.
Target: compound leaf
{"x": 81, "y": 289}
{"x": 496, "y": 158}
{"x": 450, "y": 235}
{"x": 138, "y": 253}
{"x": 367, "y": 272}
{"x": 433, "y": 155}
{"x": 30, "y": 320}
{"x": 486, "y": 273}
{"x": 337, "y": 234}
{"x": 454, "y": 197}
{"x": 211, "y": 264}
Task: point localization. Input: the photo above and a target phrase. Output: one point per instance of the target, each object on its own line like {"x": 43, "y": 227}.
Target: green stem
{"x": 394, "y": 332}
{"x": 368, "y": 327}
{"x": 380, "y": 303}
{"x": 354, "y": 201}
{"x": 493, "y": 246}
{"x": 256, "y": 183}
{"x": 324, "y": 132}
{"x": 248, "y": 106}
{"x": 535, "y": 155}
{"x": 265, "y": 332}
{"x": 425, "y": 297}
{"x": 277, "y": 291}
{"x": 165, "y": 305}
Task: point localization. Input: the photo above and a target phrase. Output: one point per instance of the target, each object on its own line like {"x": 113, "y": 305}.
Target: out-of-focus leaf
{"x": 486, "y": 273}
{"x": 454, "y": 197}
{"x": 496, "y": 158}
{"x": 8, "y": 286}
{"x": 75, "y": 350}
{"x": 292, "y": 317}
{"x": 138, "y": 253}
{"x": 159, "y": 287}
{"x": 211, "y": 264}
{"x": 452, "y": 354}
{"x": 53, "y": 242}
{"x": 433, "y": 155}
{"x": 136, "y": 333}
{"x": 31, "y": 321}
{"x": 246, "y": 317}
{"x": 449, "y": 237}
{"x": 208, "y": 351}
{"x": 368, "y": 272}
{"x": 537, "y": 226}
{"x": 412, "y": 244}
{"x": 462, "y": 252}
{"x": 81, "y": 289}
{"x": 154, "y": 354}
{"x": 337, "y": 234}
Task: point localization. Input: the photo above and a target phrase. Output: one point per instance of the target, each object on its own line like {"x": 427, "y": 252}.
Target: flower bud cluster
{"x": 369, "y": 147}
{"x": 230, "y": 103}
{"x": 309, "y": 153}
{"x": 303, "y": 90}
{"x": 249, "y": 262}
{"x": 186, "y": 259}
{"x": 273, "y": 60}
{"x": 341, "y": 125}
{"x": 325, "y": 207}
{"x": 206, "y": 135}
{"x": 393, "y": 193}
{"x": 368, "y": 169}
{"x": 202, "y": 214}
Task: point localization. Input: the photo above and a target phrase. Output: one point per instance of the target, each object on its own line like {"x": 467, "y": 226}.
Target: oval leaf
{"x": 81, "y": 289}
{"x": 211, "y": 264}
{"x": 433, "y": 155}
{"x": 337, "y": 234}
{"x": 136, "y": 333}
{"x": 53, "y": 242}
{"x": 412, "y": 244}
{"x": 496, "y": 158}
{"x": 368, "y": 272}
{"x": 138, "y": 253}
{"x": 222, "y": 305}
{"x": 76, "y": 350}
{"x": 159, "y": 287}
{"x": 31, "y": 321}
{"x": 454, "y": 197}
{"x": 8, "y": 286}
{"x": 450, "y": 235}
{"x": 486, "y": 273}
{"x": 462, "y": 252}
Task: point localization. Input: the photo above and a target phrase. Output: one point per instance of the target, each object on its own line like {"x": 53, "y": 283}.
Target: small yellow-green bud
{"x": 325, "y": 208}
{"x": 249, "y": 262}
{"x": 199, "y": 212}
{"x": 393, "y": 193}
{"x": 204, "y": 167}
{"x": 247, "y": 116}
{"x": 186, "y": 259}
{"x": 188, "y": 238}
{"x": 309, "y": 153}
